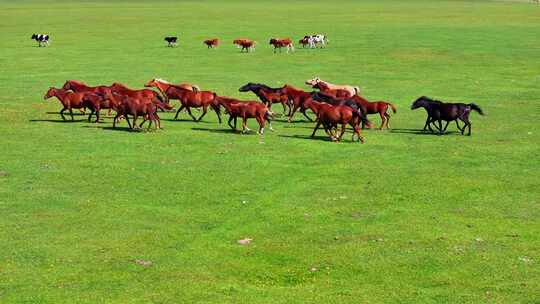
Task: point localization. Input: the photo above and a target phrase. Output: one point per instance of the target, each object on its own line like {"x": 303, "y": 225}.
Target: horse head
{"x": 420, "y": 102}
{"x": 313, "y": 81}
{"x": 250, "y": 86}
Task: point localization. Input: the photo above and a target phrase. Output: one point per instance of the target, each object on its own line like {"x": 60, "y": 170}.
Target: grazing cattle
{"x": 171, "y": 41}
{"x": 439, "y": 111}
{"x": 314, "y": 40}
{"x": 245, "y": 110}
{"x": 212, "y": 43}
{"x": 42, "y": 39}
{"x": 75, "y": 100}
{"x": 267, "y": 95}
{"x": 245, "y": 44}
{"x": 282, "y": 43}
{"x": 304, "y": 42}
{"x": 296, "y": 100}
{"x": 163, "y": 86}
{"x": 331, "y": 115}
{"x": 352, "y": 89}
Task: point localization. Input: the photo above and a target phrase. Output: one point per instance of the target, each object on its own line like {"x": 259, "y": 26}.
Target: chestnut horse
{"x": 336, "y": 93}
{"x": 282, "y": 43}
{"x": 352, "y": 89}
{"x": 330, "y": 116}
{"x": 79, "y": 86}
{"x": 267, "y": 95}
{"x": 374, "y": 107}
{"x": 163, "y": 85}
{"x": 125, "y": 105}
{"x": 296, "y": 98}
{"x": 245, "y": 44}
{"x": 245, "y": 110}
{"x": 211, "y": 43}
{"x": 190, "y": 99}
{"x": 138, "y": 94}
{"x": 75, "y": 100}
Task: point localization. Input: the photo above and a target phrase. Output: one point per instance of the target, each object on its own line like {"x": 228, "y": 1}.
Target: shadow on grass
{"x": 58, "y": 121}
{"x": 185, "y": 120}
{"x": 67, "y": 113}
{"x": 421, "y": 132}
{"x": 230, "y": 131}
{"x": 308, "y": 137}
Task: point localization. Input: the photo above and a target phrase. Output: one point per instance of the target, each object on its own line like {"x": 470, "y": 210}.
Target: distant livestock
{"x": 315, "y": 40}
{"x": 245, "y": 44}
{"x": 211, "y": 43}
{"x": 282, "y": 43}
{"x": 42, "y": 39}
{"x": 171, "y": 41}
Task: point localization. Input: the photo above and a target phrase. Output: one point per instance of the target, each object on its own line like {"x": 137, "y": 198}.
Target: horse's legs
{"x": 446, "y": 126}
{"x": 115, "y": 119}
{"x": 387, "y": 120}
{"x": 71, "y": 113}
{"x": 216, "y": 109}
{"x": 383, "y": 120}
{"x": 467, "y": 124}
{"x": 135, "y": 116}
{"x": 440, "y": 126}
{"x": 291, "y": 112}
{"x": 90, "y": 116}
{"x": 62, "y": 113}
{"x": 260, "y": 120}
{"x": 229, "y": 123}
{"x": 203, "y": 113}
{"x": 178, "y": 112}
{"x": 189, "y": 112}
{"x": 343, "y": 127}
{"x": 428, "y": 119}
{"x": 316, "y": 128}
{"x": 303, "y": 110}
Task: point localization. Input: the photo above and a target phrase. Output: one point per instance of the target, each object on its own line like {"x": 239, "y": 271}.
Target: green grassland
{"x": 405, "y": 218}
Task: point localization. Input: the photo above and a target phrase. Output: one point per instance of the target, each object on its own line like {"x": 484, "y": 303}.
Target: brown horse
{"x": 190, "y": 99}
{"x": 245, "y": 44}
{"x": 267, "y": 95}
{"x": 79, "y": 86}
{"x": 282, "y": 43}
{"x": 125, "y": 105}
{"x": 245, "y": 110}
{"x": 211, "y": 43}
{"x": 75, "y": 100}
{"x": 303, "y": 42}
{"x": 374, "y": 107}
{"x": 163, "y": 86}
{"x": 330, "y": 116}
{"x": 138, "y": 94}
{"x": 297, "y": 98}
{"x": 336, "y": 93}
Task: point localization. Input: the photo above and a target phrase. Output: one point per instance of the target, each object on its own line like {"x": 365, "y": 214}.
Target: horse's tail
{"x": 476, "y": 108}
{"x": 357, "y": 90}
{"x": 394, "y": 109}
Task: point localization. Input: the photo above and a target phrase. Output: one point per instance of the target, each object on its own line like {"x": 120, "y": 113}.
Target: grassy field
{"x": 405, "y": 218}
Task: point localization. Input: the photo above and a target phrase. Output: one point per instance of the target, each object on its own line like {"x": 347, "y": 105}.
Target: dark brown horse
{"x": 267, "y": 95}
{"x": 245, "y": 110}
{"x": 211, "y": 43}
{"x": 280, "y": 43}
{"x": 439, "y": 111}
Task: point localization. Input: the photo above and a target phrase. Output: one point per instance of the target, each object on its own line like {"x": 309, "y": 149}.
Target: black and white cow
{"x": 317, "y": 39}
{"x": 42, "y": 39}
{"x": 171, "y": 41}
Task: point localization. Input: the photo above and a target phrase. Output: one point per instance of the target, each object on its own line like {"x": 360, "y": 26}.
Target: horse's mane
{"x": 431, "y": 99}
{"x": 161, "y": 80}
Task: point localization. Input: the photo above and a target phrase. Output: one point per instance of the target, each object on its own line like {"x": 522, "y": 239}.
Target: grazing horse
{"x": 296, "y": 98}
{"x": 304, "y": 41}
{"x": 75, "y": 100}
{"x": 211, "y": 43}
{"x": 163, "y": 86}
{"x": 190, "y": 99}
{"x": 42, "y": 39}
{"x": 337, "y": 93}
{"x": 267, "y": 95}
{"x": 245, "y": 44}
{"x": 171, "y": 41}
{"x": 245, "y": 110}
{"x": 282, "y": 43}
{"x": 331, "y": 115}
{"x": 352, "y": 89}
{"x": 439, "y": 111}
{"x": 317, "y": 39}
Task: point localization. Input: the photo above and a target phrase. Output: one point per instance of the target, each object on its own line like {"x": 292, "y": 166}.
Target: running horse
{"x": 267, "y": 95}
{"x": 245, "y": 110}
{"x": 79, "y": 86}
{"x": 124, "y": 105}
{"x": 194, "y": 99}
{"x": 76, "y": 100}
{"x": 296, "y": 98}
{"x": 336, "y": 93}
{"x": 163, "y": 86}
{"x": 439, "y": 111}
{"x": 140, "y": 94}
{"x": 352, "y": 89}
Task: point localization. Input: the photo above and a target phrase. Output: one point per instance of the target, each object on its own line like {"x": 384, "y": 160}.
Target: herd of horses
{"x": 334, "y": 106}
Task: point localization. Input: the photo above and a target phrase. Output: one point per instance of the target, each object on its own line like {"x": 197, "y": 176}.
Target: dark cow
{"x": 171, "y": 41}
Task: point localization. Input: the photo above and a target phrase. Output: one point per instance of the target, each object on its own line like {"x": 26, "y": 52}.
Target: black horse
{"x": 439, "y": 111}
{"x": 266, "y": 94}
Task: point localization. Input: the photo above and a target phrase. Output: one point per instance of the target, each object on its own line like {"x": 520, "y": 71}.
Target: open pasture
{"x": 89, "y": 214}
